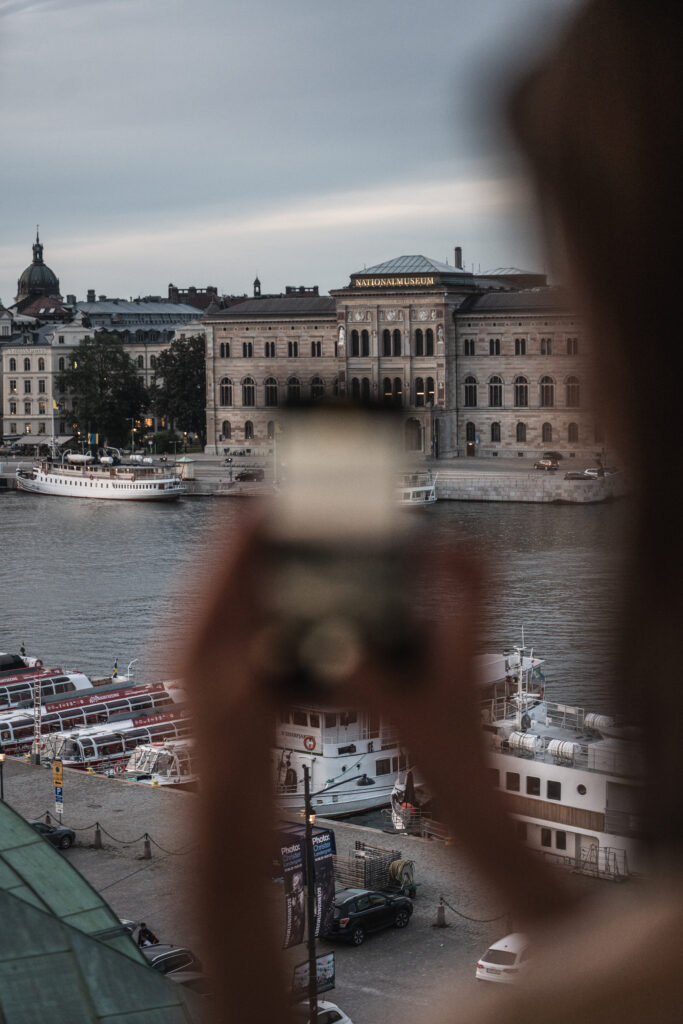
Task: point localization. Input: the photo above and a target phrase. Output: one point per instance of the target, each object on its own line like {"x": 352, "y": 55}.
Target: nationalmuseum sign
{"x": 391, "y": 282}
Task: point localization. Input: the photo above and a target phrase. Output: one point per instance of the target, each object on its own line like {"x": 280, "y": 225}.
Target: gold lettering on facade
{"x": 391, "y": 282}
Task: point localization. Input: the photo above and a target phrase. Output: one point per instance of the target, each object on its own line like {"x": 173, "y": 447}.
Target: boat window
{"x": 561, "y": 840}
{"x": 314, "y": 720}
{"x": 330, "y": 719}
{"x": 554, "y": 790}
{"x": 383, "y": 766}
{"x": 348, "y": 717}
{"x": 299, "y": 718}
{"x": 512, "y": 781}
{"x": 546, "y": 835}
{"x": 533, "y": 786}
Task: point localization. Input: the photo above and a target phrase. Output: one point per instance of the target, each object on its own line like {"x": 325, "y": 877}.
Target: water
{"x": 85, "y": 582}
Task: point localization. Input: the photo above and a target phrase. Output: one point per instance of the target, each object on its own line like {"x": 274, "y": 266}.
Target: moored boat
{"x": 169, "y": 763}
{"x": 417, "y": 490}
{"x": 83, "y": 479}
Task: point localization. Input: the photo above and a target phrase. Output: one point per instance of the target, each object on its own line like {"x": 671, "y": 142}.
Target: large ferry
{"x": 84, "y": 479}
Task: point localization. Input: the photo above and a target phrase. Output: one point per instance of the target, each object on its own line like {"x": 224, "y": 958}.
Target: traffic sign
{"x": 59, "y": 800}
{"x": 57, "y": 773}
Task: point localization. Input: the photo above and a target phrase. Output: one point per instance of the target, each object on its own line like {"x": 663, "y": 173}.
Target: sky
{"x": 207, "y": 141}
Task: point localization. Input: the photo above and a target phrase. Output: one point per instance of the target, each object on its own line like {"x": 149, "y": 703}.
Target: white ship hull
{"x": 103, "y": 483}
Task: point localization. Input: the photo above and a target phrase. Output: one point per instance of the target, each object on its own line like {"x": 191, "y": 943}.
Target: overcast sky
{"x": 204, "y": 141}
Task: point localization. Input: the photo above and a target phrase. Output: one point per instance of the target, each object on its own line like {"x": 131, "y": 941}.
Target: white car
{"x": 505, "y": 960}
{"x": 328, "y": 1013}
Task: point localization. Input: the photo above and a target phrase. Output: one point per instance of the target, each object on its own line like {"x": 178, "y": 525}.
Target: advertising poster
{"x": 293, "y": 858}
{"x": 295, "y": 903}
{"x": 324, "y": 976}
{"x": 324, "y": 882}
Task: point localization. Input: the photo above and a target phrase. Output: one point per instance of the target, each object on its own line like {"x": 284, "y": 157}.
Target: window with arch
{"x": 469, "y": 346}
{"x": 364, "y": 343}
{"x": 573, "y": 392}
{"x": 12, "y": 363}
{"x": 317, "y": 388}
{"x": 386, "y": 342}
{"x": 573, "y": 433}
{"x": 248, "y": 392}
{"x": 547, "y": 392}
{"x": 248, "y": 431}
{"x": 520, "y": 433}
{"x": 225, "y": 396}
{"x": 398, "y": 390}
{"x": 365, "y": 389}
{"x": 495, "y": 433}
{"x": 546, "y": 346}
{"x": 387, "y": 391}
{"x": 419, "y": 391}
{"x": 293, "y": 349}
{"x": 470, "y": 433}
{"x": 429, "y": 342}
{"x": 153, "y": 362}
{"x": 247, "y": 349}
{"x": 355, "y": 343}
{"x": 398, "y": 346}
{"x": 27, "y": 365}
{"x": 61, "y": 364}
{"x": 270, "y": 388}
{"x": 355, "y": 389}
{"x": 495, "y": 392}
{"x": 226, "y": 430}
{"x": 520, "y": 346}
{"x": 141, "y": 362}
{"x": 546, "y": 433}
{"x": 521, "y": 392}
{"x": 316, "y": 349}
{"x": 41, "y": 363}
{"x": 470, "y": 392}
{"x": 293, "y": 389}
{"x": 429, "y": 391}
{"x": 419, "y": 344}
{"x": 270, "y": 350}
{"x": 222, "y": 350}
{"x": 494, "y": 346}
{"x": 270, "y": 429}
{"x": 572, "y": 346}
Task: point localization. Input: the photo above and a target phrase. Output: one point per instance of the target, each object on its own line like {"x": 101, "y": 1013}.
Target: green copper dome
{"x": 37, "y": 279}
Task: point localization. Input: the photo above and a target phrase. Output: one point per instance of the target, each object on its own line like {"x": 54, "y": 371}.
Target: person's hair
{"x": 600, "y": 122}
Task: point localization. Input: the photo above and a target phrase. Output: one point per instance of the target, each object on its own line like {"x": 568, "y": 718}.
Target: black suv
{"x": 359, "y": 911}
{"x": 250, "y": 474}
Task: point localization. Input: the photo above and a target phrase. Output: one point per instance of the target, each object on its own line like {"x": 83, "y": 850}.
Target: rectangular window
{"x": 12, "y": 387}
{"x": 27, "y": 408}
{"x": 554, "y": 791}
{"x": 546, "y": 837}
{"x": 41, "y": 428}
{"x": 383, "y": 766}
{"x": 299, "y": 718}
{"x": 314, "y": 720}
{"x": 469, "y": 346}
{"x": 12, "y": 428}
{"x": 27, "y": 387}
{"x": 520, "y": 346}
{"x": 61, "y": 339}
{"x": 561, "y": 840}
{"x": 512, "y": 781}
{"x": 41, "y": 387}
{"x": 330, "y": 719}
{"x": 533, "y": 786}
{"x": 13, "y": 408}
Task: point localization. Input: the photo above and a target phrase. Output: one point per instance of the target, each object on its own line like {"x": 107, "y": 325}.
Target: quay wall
{"x": 531, "y": 486}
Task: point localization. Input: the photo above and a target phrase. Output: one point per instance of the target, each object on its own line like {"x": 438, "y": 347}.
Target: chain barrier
{"x": 477, "y": 920}
{"x": 48, "y": 816}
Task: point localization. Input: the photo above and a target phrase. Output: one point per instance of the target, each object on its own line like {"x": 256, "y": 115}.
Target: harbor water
{"x": 87, "y": 582}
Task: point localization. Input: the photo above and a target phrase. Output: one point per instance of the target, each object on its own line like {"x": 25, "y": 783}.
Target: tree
{"x": 178, "y": 391}
{"x": 108, "y": 392}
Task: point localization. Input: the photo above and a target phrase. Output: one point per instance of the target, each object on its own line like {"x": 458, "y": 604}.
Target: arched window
{"x": 429, "y": 342}
{"x": 398, "y": 390}
{"x": 470, "y": 433}
{"x": 429, "y": 396}
{"x": 13, "y": 364}
{"x": 225, "y": 391}
{"x": 247, "y": 349}
{"x": 153, "y": 362}
{"x": 248, "y": 431}
{"x": 494, "y": 346}
{"x": 27, "y": 365}
{"x": 546, "y": 346}
{"x": 397, "y": 342}
{"x": 293, "y": 349}
{"x": 270, "y": 429}
{"x": 317, "y": 388}
{"x": 387, "y": 393}
{"x": 364, "y": 343}
{"x": 470, "y": 392}
{"x": 419, "y": 346}
{"x": 520, "y": 433}
{"x": 248, "y": 392}
{"x": 270, "y": 386}
{"x": 355, "y": 389}
{"x": 419, "y": 391}
{"x": 222, "y": 350}
{"x": 141, "y": 362}
{"x": 355, "y": 343}
{"x": 521, "y": 392}
{"x": 293, "y": 389}
{"x": 386, "y": 343}
{"x": 61, "y": 364}
{"x": 315, "y": 348}
{"x": 573, "y": 433}
{"x": 546, "y": 433}
{"x": 495, "y": 392}
{"x": 572, "y": 346}
{"x": 547, "y": 392}
{"x": 226, "y": 430}
{"x": 573, "y": 392}
{"x": 365, "y": 389}
{"x": 495, "y": 432}
{"x": 41, "y": 363}
{"x": 413, "y": 436}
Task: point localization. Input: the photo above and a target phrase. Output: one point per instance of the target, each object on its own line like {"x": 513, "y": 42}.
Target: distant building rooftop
{"x": 283, "y": 305}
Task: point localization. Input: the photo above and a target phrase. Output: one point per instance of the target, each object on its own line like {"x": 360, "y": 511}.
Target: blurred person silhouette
{"x": 599, "y": 122}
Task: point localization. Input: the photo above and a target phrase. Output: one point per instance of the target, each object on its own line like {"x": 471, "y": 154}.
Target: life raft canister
{"x": 309, "y": 742}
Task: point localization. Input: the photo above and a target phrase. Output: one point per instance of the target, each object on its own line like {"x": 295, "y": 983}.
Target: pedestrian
{"x": 146, "y": 936}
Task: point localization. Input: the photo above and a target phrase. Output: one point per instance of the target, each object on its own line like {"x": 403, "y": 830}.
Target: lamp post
{"x": 2, "y": 775}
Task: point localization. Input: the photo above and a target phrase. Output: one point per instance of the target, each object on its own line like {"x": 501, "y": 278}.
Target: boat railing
{"x": 566, "y": 716}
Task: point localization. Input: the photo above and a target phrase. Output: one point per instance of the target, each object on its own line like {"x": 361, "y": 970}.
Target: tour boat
{"x": 572, "y": 779}
{"x": 170, "y": 763}
{"x": 18, "y": 726}
{"x": 138, "y": 482}
{"x": 109, "y": 746}
{"x": 20, "y": 687}
{"x": 417, "y": 490}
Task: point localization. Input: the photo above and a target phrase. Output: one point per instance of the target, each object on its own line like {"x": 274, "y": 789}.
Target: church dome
{"x": 37, "y": 279}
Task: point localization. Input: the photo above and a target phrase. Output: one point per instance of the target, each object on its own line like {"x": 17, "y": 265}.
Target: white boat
{"x": 572, "y": 779}
{"x": 137, "y": 482}
{"x": 172, "y": 763}
{"x": 352, "y": 757}
{"x": 417, "y": 490}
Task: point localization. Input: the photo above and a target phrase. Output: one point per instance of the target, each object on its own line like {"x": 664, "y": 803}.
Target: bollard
{"x": 440, "y": 916}
{"x": 147, "y": 852}
{"x": 98, "y": 836}
{"x": 90, "y": 771}
{"x": 48, "y": 819}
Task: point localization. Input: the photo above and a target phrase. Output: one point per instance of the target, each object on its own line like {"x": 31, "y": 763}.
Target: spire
{"x": 37, "y": 248}
{"x": 257, "y": 288}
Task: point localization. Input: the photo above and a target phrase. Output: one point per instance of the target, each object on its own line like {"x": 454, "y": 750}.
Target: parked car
{"x": 59, "y": 835}
{"x": 505, "y": 960}
{"x": 360, "y": 911}
{"x": 328, "y": 1013}
{"x": 574, "y": 474}
{"x": 168, "y": 959}
{"x": 597, "y": 471}
{"x": 250, "y": 474}
{"x": 547, "y": 463}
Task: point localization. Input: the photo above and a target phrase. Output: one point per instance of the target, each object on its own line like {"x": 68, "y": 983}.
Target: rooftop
{"x": 411, "y": 265}
{"x": 314, "y": 305}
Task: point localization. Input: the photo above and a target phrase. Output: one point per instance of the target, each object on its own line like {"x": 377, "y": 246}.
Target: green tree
{"x": 108, "y": 392}
{"x": 178, "y": 391}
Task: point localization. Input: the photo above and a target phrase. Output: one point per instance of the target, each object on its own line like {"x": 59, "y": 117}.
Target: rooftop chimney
{"x": 91, "y": 295}
{"x": 458, "y": 257}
